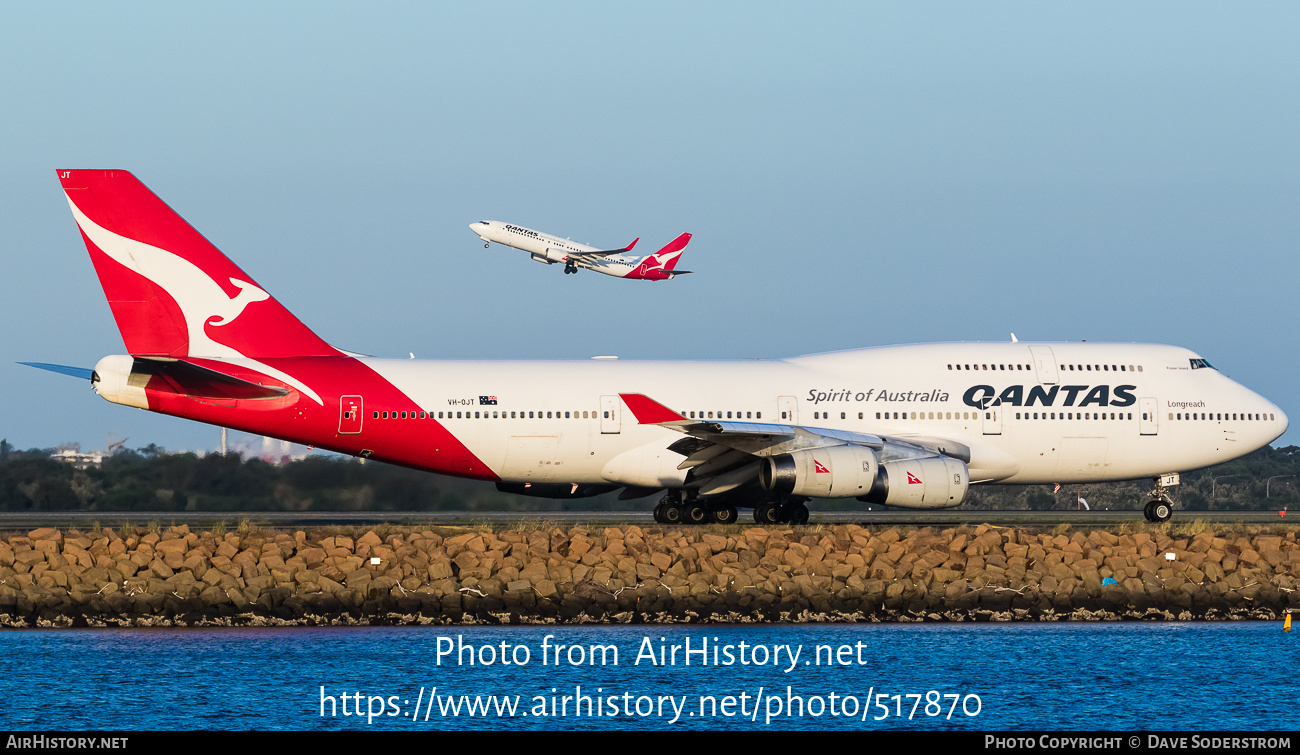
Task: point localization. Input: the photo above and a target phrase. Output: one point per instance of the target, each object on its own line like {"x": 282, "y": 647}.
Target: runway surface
{"x": 22, "y": 521}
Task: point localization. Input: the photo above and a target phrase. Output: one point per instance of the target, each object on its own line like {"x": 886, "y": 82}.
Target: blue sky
{"x": 855, "y": 174}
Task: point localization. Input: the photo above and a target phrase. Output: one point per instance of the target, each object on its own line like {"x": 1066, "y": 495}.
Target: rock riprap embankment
{"x": 173, "y": 576}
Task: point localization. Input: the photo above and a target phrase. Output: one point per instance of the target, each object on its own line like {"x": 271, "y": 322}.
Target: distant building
{"x": 70, "y": 453}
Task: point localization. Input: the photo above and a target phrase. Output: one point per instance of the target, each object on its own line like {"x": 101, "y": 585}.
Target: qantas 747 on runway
{"x": 908, "y": 426}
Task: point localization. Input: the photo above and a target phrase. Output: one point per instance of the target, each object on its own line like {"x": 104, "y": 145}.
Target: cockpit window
{"x": 1199, "y": 363}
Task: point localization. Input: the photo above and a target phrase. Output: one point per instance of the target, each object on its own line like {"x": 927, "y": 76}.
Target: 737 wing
{"x": 587, "y": 258}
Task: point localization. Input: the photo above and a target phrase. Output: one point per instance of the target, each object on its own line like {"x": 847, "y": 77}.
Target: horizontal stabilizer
{"x": 77, "y": 372}
{"x": 192, "y": 380}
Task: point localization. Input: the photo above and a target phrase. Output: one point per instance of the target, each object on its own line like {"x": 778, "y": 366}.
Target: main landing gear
{"x": 570, "y": 268}
{"x": 674, "y": 508}
{"x": 790, "y": 510}
{"x": 1161, "y": 507}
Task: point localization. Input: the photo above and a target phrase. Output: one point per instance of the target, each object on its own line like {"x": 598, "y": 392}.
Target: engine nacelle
{"x": 833, "y": 472}
{"x": 551, "y": 256}
{"x": 938, "y": 482}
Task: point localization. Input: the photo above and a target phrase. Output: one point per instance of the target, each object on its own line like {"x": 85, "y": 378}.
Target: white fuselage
{"x": 551, "y": 249}
{"x": 1030, "y": 413}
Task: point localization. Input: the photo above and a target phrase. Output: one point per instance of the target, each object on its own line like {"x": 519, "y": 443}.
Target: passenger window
{"x": 842, "y": 415}
{"x": 606, "y": 415}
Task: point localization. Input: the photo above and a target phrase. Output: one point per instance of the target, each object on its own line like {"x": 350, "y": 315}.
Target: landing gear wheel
{"x": 695, "y": 513}
{"x": 798, "y": 513}
{"x": 672, "y": 514}
{"x": 767, "y": 512}
{"x": 1161, "y": 510}
{"x": 1146, "y": 511}
{"x": 659, "y": 512}
{"x": 725, "y": 515}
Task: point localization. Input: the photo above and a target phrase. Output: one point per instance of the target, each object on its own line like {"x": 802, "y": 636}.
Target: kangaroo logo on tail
{"x": 659, "y": 266}
{"x": 151, "y": 326}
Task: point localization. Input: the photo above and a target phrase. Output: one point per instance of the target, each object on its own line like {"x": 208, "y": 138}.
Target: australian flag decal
{"x": 487, "y": 400}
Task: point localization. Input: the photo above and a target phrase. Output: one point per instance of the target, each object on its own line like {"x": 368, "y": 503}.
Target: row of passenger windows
{"x": 1219, "y": 416}
{"x": 818, "y": 415}
{"x": 1064, "y": 367}
{"x": 494, "y": 415}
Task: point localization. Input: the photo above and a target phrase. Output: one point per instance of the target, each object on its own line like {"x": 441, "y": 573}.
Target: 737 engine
{"x": 852, "y": 471}
{"x": 551, "y": 256}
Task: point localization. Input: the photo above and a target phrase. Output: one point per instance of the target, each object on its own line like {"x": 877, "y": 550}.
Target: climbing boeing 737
{"x": 908, "y": 426}
{"x": 549, "y": 250}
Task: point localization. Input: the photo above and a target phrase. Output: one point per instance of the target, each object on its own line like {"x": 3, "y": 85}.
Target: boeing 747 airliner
{"x": 909, "y": 426}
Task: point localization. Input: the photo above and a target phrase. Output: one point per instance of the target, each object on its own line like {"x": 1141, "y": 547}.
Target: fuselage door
{"x": 1148, "y": 423}
{"x": 1044, "y": 364}
{"x": 610, "y": 420}
{"x": 787, "y": 410}
{"x": 993, "y": 420}
{"x": 350, "y": 411}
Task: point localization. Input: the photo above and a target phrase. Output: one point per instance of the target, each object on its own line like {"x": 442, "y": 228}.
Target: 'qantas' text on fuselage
{"x": 984, "y": 396}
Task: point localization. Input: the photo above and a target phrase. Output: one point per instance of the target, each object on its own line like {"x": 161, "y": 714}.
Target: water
{"x": 1114, "y": 677}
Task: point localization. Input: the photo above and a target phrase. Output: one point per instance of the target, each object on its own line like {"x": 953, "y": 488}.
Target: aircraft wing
{"x": 723, "y": 455}
{"x": 590, "y": 257}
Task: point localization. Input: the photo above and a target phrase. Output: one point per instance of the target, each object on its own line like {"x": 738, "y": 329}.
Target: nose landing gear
{"x": 1161, "y": 507}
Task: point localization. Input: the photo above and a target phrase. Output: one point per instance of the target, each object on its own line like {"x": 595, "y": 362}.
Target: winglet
{"x": 648, "y": 411}
{"x": 628, "y": 248}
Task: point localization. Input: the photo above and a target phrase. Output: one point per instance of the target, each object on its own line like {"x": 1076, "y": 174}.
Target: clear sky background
{"x": 855, "y": 174}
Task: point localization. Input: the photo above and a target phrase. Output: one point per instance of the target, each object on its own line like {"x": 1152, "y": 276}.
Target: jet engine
{"x": 832, "y": 472}
{"x": 937, "y": 482}
{"x": 551, "y": 256}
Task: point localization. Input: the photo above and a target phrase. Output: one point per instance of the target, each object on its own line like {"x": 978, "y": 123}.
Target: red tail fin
{"x": 171, "y": 291}
{"x": 660, "y": 265}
